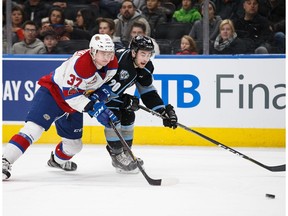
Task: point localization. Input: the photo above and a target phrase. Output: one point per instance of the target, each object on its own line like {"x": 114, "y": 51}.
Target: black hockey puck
{"x": 271, "y": 196}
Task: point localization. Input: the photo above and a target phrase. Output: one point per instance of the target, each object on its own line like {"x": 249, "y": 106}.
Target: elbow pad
{"x": 144, "y": 80}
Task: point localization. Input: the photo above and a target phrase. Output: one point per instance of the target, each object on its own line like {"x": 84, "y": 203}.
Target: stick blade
{"x": 280, "y": 168}
{"x": 154, "y": 182}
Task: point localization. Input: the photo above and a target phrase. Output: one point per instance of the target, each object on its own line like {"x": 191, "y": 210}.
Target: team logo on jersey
{"x": 72, "y": 90}
{"x": 46, "y": 117}
{"x": 123, "y": 75}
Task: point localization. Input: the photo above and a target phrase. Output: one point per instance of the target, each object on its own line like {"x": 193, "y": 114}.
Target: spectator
{"x": 58, "y": 23}
{"x": 228, "y": 9}
{"x": 109, "y": 8}
{"x": 198, "y": 4}
{"x": 227, "y": 41}
{"x": 197, "y": 29}
{"x": 128, "y": 14}
{"x": 274, "y": 10}
{"x": 187, "y": 46}
{"x": 45, "y": 26}
{"x": 6, "y": 47}
{"x": 36, "y": 10}
{"x": 17, "y": 20}
{"x": 50, "y": 41}
{"x": 69, "y": 11}
{"x": 13, "y": 4}
{"x": 254, "y": 28}
{"x": 85, "y": 27}
{"x": 86, "y": 20}
{"x": 107, "y": 26}
{"x": 139, "y": 28}
{"x": 187, "y": 13}
{"x": 155, "y": 14}
{"x": 30, "y": 44}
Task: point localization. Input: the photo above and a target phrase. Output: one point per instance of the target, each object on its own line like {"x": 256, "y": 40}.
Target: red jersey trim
{"x": 46, "y": 81}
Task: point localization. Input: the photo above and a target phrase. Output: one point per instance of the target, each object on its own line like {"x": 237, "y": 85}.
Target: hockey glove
{"x": 130, "y": 102}
{"x": 170, "y": 117}
{"x": 103, "y": 114}
{"x": 102, "y": 94}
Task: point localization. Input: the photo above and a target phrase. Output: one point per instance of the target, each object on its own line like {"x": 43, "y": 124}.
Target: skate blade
{"x": 4, "y": 177}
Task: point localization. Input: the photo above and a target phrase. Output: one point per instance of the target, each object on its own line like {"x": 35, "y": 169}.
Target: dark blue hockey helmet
{"x": 140, "y": 42}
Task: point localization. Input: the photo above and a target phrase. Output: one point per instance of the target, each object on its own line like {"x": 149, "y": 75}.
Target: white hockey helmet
{"x": 101, "y": 42}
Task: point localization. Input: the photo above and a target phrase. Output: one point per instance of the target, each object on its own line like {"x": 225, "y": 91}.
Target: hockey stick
{"x": 279, "y": 168}
{"x": 154, "y": 182}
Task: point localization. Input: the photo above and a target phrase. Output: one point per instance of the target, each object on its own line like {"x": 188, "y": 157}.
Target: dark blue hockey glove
{"x": 103, "y": 114}
{"x": 102, "y": 94}
{"x": 170, "y": 119}
{"x": 130, "y": 102}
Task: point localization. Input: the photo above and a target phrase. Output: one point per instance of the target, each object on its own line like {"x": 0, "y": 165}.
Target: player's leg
{"x": 122, "y": 162}
{"x": 127, "y": 130}
{"x": 40, "y": 117}
{"x": 70, "y": 128}
{"x": 18, "y": 144}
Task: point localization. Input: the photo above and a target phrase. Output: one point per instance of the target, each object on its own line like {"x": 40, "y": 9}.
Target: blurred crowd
{"x": 176, "y": 26}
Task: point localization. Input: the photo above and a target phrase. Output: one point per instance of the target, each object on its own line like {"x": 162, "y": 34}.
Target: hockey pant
{"x": 43, "y": 113}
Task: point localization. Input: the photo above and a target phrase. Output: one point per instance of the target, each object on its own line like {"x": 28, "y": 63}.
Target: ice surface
{"x": 212, "y": 182}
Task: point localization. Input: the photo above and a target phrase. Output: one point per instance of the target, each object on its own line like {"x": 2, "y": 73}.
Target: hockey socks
{"x": 60, "y": 156}
{"x": 22, "y": 141}
{"x": 61, "y": 160}
{"x": 17, "y": 145}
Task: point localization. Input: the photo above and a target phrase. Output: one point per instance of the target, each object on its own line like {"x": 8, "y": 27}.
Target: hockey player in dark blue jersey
{"x": 135, "y": 68}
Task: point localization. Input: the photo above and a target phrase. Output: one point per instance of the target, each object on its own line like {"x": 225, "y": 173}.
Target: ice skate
{"x": 138, "y": 159}
{"x": 67, "y": 166}
{"x": 122, "y": 163}
{"x": 6, "y": 168}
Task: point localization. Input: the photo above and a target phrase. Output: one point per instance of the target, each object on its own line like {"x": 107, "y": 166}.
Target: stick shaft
{"x": 155, "y": 182}
{"x": 279, "y": 168}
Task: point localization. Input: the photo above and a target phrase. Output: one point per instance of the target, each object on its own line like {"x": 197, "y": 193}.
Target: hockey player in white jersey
{"x": 75, "y": 87}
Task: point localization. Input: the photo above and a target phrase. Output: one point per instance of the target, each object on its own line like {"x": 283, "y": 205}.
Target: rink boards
{"x": 237, "y": 100}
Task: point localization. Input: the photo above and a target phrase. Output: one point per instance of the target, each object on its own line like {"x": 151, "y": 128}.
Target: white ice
{"x": 212, "y": 182}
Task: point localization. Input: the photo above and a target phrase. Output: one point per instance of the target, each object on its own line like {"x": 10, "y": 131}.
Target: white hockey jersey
{"x": 75, "y": 78}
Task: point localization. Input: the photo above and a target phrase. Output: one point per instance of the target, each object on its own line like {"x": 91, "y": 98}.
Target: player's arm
{"x": 103, "y": 94}
{"x": 97, "y": 108}
{"x": 152, "y": 100}
{"x": 100, "y": 111}
{"x": 80, "y": 81}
